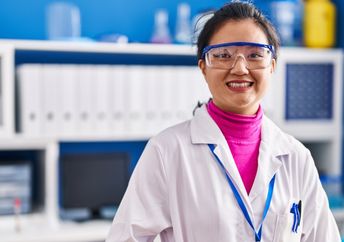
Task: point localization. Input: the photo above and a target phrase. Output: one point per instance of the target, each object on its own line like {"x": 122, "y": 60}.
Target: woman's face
{"x": 227, "y": 86}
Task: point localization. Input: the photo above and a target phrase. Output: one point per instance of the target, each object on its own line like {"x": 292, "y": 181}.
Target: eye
{"x": 222, "y": 55}
{"x": 255, "y": 55}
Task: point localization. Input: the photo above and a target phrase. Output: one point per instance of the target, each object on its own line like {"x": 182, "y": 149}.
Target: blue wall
{"x": 25, "y": 19}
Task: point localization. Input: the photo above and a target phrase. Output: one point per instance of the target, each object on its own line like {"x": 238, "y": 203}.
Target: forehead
{"x": 239, "y": 31}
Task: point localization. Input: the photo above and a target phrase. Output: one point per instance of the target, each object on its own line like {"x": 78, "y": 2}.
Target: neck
{"x": 237, "y": 126}
{"x": 242, "y": 111}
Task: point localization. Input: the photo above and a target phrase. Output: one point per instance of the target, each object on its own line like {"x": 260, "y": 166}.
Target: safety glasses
{"x": 225, "y": 55}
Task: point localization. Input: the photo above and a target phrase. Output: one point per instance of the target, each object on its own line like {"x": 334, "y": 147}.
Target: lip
{"x": 242, "y": 85}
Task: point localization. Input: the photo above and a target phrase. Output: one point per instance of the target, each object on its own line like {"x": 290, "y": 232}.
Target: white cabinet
{"x": 6, "y": 90}
{"x": 25, "y": 64}
{"x": 177, "y": 65}
{"x": 305, "y": 100}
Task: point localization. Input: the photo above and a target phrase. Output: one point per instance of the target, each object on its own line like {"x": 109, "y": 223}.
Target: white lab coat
{"x": 179, "y": 191}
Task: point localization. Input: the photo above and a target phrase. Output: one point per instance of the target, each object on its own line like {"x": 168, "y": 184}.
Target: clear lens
{"x": 255, "y": 57}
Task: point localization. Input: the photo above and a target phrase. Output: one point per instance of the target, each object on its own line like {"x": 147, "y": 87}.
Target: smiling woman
{"x": 238, "y": 84}
{"x": 228, "y": 172}
{"x": 238, "y": 73}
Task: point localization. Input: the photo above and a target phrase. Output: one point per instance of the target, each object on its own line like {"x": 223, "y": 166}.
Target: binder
{"x": 185, "y": 89}
{"x": 151, "y": 101}
{"x": 188, "y": 92}
{"x": 202, "y": 90}
{"x": 49, "y": 84}
{"x": 135, "y": 86}
{"x": 29, "y": 88}
{"x": 172, "y": 94}
{"x": 198, "y": 84}
{"x": 85, "y": 100}
{"x": 117, "y": 100}
{"x": 165, "y": 98}
{"x": 67, "y": 93}
{"x": 101, "y": 100}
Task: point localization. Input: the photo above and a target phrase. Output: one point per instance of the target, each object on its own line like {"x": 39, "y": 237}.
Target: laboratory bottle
{"x": 183, "y": 24}
{"x": 63, "y": 21}
{"x": 161, "y": 33}
{"x": 319, "y": 23}
{"x": 286, "y": 15}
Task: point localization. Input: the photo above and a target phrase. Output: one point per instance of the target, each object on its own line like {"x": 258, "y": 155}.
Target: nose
{"x": 239, "y": 66}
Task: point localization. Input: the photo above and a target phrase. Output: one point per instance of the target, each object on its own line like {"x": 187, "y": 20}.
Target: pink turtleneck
{"x": 243, "y": 135}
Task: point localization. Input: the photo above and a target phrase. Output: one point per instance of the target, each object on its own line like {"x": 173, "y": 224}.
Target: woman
{"x": 229, "y": 174}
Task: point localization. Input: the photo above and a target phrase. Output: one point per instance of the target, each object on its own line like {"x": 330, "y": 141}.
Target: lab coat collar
{"x": 204, "y": 130}
{"x": 273, "y": 146}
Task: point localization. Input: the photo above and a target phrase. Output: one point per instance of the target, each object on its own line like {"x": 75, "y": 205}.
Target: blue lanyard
{"x": 258, "y": 235}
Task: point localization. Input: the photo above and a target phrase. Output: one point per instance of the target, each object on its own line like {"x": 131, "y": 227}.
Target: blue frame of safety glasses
{"x": 209, "y": 47}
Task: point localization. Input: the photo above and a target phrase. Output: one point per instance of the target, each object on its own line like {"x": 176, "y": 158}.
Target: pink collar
{"x": 236, "y": 126}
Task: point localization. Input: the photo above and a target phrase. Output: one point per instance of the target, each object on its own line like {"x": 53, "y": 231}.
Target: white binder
{"x": 29, "y": 88}
{"x": 85, "y": 100}
{"x": 118, "y": 100}
{"x": 202, "y": 91}
{"x": 198, "y": 88}
{"x": 165, "y": 97}
{"x": 67, "y": 93}
{"x": 49, "y": 84}
{"x": 184, "y": 86}
{"x": 101, "y": 100}
{"x": 136, "y": 88}
{"x": 151, "y": 101}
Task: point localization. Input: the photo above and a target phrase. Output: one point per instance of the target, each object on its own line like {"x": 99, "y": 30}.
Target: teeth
{"x": 238, "y": 84}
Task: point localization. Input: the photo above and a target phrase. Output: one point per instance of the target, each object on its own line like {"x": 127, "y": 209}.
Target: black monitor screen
{"x": 93, "y": 180}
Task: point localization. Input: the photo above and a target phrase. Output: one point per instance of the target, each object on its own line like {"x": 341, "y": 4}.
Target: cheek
{"x": 216, "y": 83}
{"x": 262, "y": 78}
{"x": 215, "y": 77}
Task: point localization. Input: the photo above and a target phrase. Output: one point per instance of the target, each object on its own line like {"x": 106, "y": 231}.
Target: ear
{"x": 201, "y": 65}
{"x": 273, "y": 66}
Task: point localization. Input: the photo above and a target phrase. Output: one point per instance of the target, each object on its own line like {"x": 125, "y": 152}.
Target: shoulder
{"x": 173, "y": 136}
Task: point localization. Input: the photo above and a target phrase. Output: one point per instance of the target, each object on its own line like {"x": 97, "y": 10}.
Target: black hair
{"x": 236, "y": 10}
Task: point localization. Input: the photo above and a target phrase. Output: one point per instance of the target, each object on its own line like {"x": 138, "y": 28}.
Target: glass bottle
{"x": 161, "y": 32}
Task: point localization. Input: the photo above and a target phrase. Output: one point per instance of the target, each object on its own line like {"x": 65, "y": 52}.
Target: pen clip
{"x": 299, "y": 207}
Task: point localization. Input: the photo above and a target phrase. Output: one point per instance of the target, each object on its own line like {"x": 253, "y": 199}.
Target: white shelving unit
{"x": 44, "y": 224}
{"x": 323, "y": 136}
{"x": 6, "y": 90}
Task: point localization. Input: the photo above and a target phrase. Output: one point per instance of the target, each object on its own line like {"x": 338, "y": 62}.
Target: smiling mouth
{"x": 239, "y": 84}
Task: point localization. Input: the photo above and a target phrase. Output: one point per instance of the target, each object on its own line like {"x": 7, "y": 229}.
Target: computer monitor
{"x": 93, "y": 180}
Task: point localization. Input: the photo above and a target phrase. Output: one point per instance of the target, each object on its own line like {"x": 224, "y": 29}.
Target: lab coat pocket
{"x": 284, "y": 230}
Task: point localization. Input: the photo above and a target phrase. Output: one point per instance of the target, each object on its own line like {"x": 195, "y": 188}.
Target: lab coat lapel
{"x": 272, "y": 147}
{"x": 226, "y": 157}
{"x": 204, "y": 130}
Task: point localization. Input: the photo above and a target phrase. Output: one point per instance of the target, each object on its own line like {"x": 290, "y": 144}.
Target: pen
{"x": 296, "y": 211}
{"x": 299, "y": 207}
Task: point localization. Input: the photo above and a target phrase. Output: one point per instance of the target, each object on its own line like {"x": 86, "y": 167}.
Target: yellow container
{"x": 319, "y": 24}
